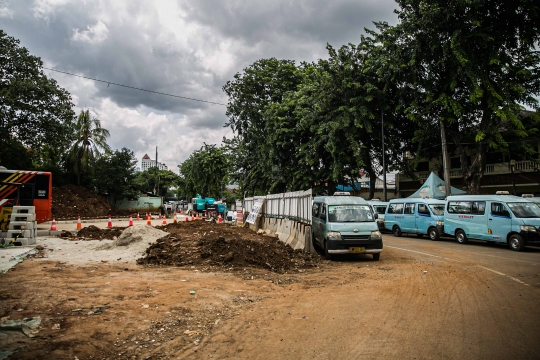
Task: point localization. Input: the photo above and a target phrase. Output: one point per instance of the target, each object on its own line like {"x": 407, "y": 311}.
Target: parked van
{"x": 415, "y": 216}
{"x": 379, "y": 208}
{"x": 493, "y": 218}
{"x": 345, "y": 224}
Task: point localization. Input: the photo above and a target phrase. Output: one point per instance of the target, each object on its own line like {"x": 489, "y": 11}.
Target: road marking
{"x": 500, "y": 273}
{"x": 493, "y": 271}
{"x": 422, "y": 253}
{"x": 507, "y": 258}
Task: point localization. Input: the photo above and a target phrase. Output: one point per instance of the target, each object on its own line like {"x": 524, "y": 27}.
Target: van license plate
{"x": 357, "y": 249}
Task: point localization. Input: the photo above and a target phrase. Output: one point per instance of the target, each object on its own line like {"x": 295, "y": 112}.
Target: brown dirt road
{"x": 400, "y": 307}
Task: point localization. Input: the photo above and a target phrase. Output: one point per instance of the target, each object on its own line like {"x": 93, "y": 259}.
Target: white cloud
{"x": 93, "y": 35}
{"x": 5, "y": 11}
{"x": 43, "y": 9}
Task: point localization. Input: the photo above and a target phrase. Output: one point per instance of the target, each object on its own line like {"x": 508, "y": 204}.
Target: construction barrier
{"x": 22, "y": 226}
{"x": 288, "y": 215}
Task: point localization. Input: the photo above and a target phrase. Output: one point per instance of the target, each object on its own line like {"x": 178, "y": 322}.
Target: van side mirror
{"x": 506, "y": 213}
{"x": 376, "y": 216}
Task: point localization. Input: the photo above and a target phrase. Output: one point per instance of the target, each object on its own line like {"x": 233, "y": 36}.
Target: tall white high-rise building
{"x": 148, "y": 163}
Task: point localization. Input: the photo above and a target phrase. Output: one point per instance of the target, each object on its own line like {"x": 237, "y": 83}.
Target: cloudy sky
{"x": 189, "y": 48}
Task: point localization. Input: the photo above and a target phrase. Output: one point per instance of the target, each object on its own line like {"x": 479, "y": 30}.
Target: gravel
{"x": 130, "y": 246}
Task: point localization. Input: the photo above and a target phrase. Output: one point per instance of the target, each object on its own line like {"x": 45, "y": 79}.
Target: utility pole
{"x": 156, "y": 159}
{"x": 446, "y": 163}
{"x": 383, "y": 156}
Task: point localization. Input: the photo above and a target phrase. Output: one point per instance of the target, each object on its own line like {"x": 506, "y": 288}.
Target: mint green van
{"x": 345, "y": 225}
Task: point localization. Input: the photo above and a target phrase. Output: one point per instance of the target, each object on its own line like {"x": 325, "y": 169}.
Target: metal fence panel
{"x": 292, "y": 205}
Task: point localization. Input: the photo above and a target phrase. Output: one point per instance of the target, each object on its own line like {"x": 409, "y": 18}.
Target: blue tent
{"x": 434, "y": 188}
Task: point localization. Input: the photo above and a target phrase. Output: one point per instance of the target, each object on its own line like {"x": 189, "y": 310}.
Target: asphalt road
{"x": 521, "y": 267}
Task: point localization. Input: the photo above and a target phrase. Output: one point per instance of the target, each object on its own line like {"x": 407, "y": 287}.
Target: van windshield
{"x": 437, "y": 209}
{"x": 349, "y": 213}
{"x": 524, "y": 209}
{"x": 379, "y": 209}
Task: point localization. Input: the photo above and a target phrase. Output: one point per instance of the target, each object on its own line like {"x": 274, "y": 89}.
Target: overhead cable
{"x": 135, "y": 88}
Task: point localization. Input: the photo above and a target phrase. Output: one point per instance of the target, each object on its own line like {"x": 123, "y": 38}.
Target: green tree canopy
{"x": 90, "y": 140}
{"x": 34, "y": 110}
{"x": 206, "y": 172}
{"x": 114, "y": 175}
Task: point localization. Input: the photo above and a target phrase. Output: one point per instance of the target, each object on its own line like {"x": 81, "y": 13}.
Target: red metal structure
{"x": 25, "y": 188}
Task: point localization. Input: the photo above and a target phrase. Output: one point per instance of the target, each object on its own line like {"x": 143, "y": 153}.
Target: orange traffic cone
{"x": 164, "y": 221}
{"x": 109, "y": 224}
{"x": 192, "y": 217}
{"x": 138, "y": 217}
{"x": 53, "y": 225}
{"x": 130, "y": 220}
{"x": 148, "y": 220}
{"x": 174, "y": 220}
{"x": 79, "y": 225}
{"x": 187, "y": 218}
{"x": 159, "y": 216}
{"x": 219, "y": 219}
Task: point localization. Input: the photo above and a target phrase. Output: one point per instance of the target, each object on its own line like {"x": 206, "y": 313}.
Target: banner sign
{"x": 254, "y": 211}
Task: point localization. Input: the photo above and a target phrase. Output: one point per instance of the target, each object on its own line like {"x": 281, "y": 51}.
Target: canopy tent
{"x": 434, "y": 188}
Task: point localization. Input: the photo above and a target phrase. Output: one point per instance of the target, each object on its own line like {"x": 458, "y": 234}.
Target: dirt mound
{"x": 93, "y": 233}
{"x": 221, "y": 245}
{"x": 71, "y": 201}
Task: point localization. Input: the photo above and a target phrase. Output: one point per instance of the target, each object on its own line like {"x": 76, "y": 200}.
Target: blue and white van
{"x": 343, "y": 225}
{"x": 415, "y": 216}
{"x": 493, "y": 218}
{"x": 379, "y": 208}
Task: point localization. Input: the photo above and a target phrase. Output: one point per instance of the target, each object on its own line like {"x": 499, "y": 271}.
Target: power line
{"x": 135, "y": 88}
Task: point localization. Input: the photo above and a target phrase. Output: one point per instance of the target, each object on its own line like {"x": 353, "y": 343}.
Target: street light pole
{"x": 383, "y": 153}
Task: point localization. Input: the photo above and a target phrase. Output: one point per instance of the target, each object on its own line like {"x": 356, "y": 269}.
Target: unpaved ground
{"x": 399, "y": 307}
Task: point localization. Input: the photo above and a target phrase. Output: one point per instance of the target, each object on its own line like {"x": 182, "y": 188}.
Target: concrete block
{"x": 18, "y": 225}
{"x": 23, "y": 217}
{"x": 24, "y": 210}
{"x": 20, "y": 233}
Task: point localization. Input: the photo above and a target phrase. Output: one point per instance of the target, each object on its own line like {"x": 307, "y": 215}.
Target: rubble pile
{"x": 221, "y": 245}
{"x": 93, "y": 233}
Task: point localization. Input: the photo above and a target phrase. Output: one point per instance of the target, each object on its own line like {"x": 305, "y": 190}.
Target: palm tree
{"x": 90, "y": 138}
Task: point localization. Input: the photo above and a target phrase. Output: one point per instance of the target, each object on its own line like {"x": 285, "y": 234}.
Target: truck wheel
{"x": 433, "y": 233}
{"x": 396, "y": 231}
{"x": 516, "y": 242}
{"x": 376, "y": 256}
{"x": 327, "y": 255}
{"x": 461, "y": 237}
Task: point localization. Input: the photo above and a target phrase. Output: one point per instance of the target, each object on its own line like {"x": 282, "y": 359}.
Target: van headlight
{"x": 376, "y": 234}
{"x": 440, "y": 223}
{"x": 333, "y": 235}
{"x": 527, "y": 228}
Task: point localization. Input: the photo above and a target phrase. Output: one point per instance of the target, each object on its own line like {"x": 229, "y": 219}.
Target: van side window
{"x": 478, "y": 207}
{"x": 498, "y": 209}
{"x": 423, "y": 209}
{"x": 460, "y": 207}
{"x": 409, "y": 209}
{"x": 322, "y": 213}
{"x": 395, "y": 208}
{"x": 315, "y": 210}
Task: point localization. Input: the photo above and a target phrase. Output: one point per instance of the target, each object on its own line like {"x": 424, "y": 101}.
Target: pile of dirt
{"x": 221, "y": 245}
{"x": 93, "y": 233}
{"x": 71, "y": 201}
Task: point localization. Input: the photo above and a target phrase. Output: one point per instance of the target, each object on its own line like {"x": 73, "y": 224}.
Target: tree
{"x": 155, "y": 181}
{"x": 114, "y": 174}
{"x": 34, "y": 110}
{"x": 472, "y": 66}
{"x": 251, "y": 94}
{"x": 90, "y": 140}
{"x": 206, "y": 171}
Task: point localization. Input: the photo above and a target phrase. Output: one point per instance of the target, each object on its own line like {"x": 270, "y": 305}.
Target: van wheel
{"x": 376, "y": 256}
{"x": 327, "y": 255}
{"x": 433, "y": 234}
{"x": 516, "y": 242}
{"x": 396, "y": 231}
{"x": 461, "y": 237}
